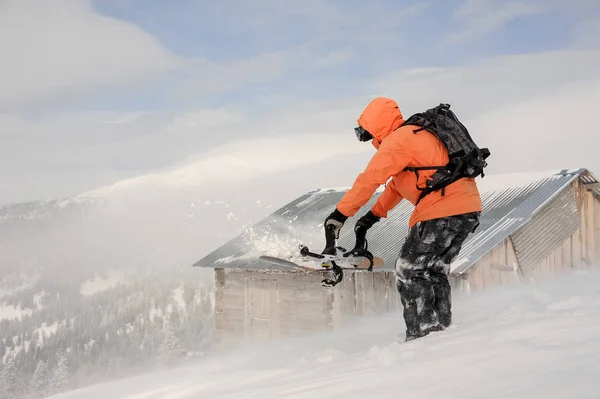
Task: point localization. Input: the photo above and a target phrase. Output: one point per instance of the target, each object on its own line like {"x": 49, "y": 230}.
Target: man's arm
{"x": 391, "y": 158}
{"x": 389, "y": 198}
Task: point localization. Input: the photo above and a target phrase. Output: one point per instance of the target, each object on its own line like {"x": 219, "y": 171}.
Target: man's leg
{"x": 422, "y": 271}
{"x": 453, "y": 231}
{"x": 443, "y": 298}
{"x": 414, "y": 284}
{"x": 418, "y": 299}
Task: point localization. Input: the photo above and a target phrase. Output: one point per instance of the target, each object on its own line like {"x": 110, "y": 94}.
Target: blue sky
{"x": 98, "y": 91}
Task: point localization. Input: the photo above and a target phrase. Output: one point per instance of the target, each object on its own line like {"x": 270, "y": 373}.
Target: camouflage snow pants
{"x": 422, "y": 270}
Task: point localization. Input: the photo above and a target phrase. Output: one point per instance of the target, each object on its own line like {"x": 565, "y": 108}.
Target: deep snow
{"x": 529, "y": 341}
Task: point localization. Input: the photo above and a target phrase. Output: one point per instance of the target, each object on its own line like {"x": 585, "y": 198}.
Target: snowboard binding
{"x": 329, "y": 254}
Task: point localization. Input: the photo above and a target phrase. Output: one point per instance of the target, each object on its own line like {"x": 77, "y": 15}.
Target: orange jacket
{"x": 397, "y": 148}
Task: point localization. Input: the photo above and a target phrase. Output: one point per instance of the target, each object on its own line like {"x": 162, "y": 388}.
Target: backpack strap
{"x": 427, "y": 189}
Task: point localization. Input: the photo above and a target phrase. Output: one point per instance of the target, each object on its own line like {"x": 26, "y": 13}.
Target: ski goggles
{"x": 362, "y": 134}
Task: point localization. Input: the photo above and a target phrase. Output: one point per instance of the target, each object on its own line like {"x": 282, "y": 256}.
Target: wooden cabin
{"x": 533, "y": 226}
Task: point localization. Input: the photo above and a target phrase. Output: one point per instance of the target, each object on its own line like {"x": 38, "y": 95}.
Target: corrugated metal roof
{"x": 509, "y": 201}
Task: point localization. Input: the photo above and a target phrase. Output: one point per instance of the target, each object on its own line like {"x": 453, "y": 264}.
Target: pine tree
{"x": 150, "y": 340}
{"x": 38, "y": 388}
{"x": 8, "y": 380}
{"x": 60, "y": 376}
{"x": 175, "y": 317}
{"x": 170, "y": 347}
{"x": 189, "y": 294}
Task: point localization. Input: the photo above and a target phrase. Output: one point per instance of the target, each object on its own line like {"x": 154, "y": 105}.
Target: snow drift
{"x": 539, "y": 340}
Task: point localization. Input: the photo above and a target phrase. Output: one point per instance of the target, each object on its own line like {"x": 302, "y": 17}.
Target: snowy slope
{"x": 40, "y": 210}
{"x": 529, "y": 341}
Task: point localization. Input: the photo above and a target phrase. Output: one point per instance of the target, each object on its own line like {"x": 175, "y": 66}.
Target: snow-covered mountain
{"x": 539, "y": 340}
{"x": 41, "y": 210}
{"x": 78, "y": 304}
{"x": 82, "y": 292}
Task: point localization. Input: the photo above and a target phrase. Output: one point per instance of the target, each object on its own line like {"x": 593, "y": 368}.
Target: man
{"x": 439, "y": 224}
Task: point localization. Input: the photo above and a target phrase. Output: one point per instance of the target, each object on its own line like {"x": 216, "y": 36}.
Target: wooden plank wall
{"x": 581, "y": 251}
{"x": 344, "y": 300}
{"x": 559, "y": 261}
{"x": 364, "y": 293}
{"x": 580, "y": 238}
{"x": 592, "y": 204}
{"x": 597, "y": 228}
{"x": 498, "y": 267}
{"x": 388, "y": 299}
{"x": 302, "y": 304}
{"x": 262, "y": 308}
{"x": 251, "y": 304}
{"x": 584, "y": 243}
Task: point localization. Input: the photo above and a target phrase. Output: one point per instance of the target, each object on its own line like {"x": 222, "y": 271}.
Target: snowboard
{"x": 333, "y": 259}
{"x": 312, "y": 261}
{"x": 335, "y": 264}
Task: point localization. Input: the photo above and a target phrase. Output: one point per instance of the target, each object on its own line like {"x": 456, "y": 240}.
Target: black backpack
{"x": 466, "y": 159}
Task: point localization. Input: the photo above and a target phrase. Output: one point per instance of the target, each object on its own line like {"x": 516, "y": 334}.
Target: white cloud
{"x": 207, "y": 119}
{"x": 202, "y": 77}
{"x": 126, "y": 117}
{"x": 588, "y": 34}
{"x": 334, "y": 58}
{"x": 65, "y": 49}
{"x": 587, "y": 27}
{"x": 491, "y": 83}
{"x": 66, "y": 152}
{"x": 474, "y": 18}
{"x": 62, "y": 47}
{"x": 544, "y": 132}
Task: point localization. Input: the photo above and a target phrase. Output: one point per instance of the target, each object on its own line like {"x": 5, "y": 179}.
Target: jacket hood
{"x": 380, "y": 118}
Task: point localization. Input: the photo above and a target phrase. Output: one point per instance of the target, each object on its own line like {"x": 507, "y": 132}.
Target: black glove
{"x": 337, "y": 220}
{"x": 367, "y": 221}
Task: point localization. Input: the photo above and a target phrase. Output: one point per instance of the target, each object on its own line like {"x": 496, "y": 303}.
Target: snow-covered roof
{"x": 509, "y": 201}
